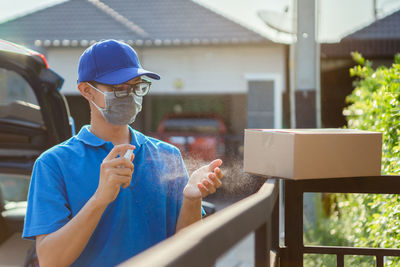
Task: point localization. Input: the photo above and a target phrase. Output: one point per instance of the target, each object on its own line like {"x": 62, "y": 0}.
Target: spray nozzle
{"x": 129, "y": 155}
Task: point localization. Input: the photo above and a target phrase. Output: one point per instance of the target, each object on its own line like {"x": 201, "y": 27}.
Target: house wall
{"x": 188, "y": 69}
{"x": 64, "y": 61}
{"x": 211, "y": 69}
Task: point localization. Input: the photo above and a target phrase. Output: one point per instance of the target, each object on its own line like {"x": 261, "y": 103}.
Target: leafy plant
{"x": 366, "y": 220}
{"x": 375, "y": 106}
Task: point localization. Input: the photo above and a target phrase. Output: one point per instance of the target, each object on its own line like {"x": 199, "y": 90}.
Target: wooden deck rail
{"x": 202, "y": 243}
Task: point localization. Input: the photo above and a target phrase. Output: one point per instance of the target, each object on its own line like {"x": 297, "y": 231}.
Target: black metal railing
{"x": 294, "y": 250}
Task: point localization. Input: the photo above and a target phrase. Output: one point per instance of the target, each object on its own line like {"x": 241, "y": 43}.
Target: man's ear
{"x": 86, "y": 91}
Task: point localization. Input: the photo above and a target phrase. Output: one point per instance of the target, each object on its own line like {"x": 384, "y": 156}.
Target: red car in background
{"x": 198, "y": 136}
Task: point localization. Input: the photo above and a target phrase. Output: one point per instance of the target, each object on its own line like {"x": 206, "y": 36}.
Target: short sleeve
{"x": 48, "y": 208}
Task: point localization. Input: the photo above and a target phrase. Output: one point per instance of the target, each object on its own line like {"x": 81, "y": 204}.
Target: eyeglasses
{"x": 140, "y": 89}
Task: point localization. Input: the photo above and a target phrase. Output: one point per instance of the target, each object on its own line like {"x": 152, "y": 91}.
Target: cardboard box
{"x": 312, "y": 153}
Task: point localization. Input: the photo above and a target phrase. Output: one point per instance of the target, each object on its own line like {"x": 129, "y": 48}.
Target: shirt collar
{"x": 87, "y": 137}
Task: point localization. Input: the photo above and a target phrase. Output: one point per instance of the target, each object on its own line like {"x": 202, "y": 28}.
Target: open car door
{"x": 33, "y": 117}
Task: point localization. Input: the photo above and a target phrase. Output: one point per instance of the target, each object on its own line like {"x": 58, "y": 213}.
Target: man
{"x": 90, "y": 206}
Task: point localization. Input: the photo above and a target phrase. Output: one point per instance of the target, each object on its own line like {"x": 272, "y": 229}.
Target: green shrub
{"x": 375, "y": 106}
{"x": 366, "y": 220}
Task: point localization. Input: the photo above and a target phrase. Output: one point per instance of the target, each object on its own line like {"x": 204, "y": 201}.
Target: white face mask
{"x": 121, "y": 110}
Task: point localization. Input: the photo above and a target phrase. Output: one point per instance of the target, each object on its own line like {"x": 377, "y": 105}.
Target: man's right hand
{"x": 114, "y": 172}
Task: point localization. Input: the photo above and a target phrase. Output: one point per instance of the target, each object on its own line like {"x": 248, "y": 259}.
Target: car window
{"x": 13, "y": 190}
{"x": 194, "y": 125}
{"x": 17, "y": 99}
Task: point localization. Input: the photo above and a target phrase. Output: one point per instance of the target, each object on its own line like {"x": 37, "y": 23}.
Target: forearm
{"x": 64, "y": 246}
{"x": 190, "y": 213}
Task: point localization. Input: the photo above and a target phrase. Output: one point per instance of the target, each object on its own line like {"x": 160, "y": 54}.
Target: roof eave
{"x": 153, "y": 43}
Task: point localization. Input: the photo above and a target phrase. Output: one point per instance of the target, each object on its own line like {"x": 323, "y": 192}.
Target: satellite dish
{"x": 278, "y": 21}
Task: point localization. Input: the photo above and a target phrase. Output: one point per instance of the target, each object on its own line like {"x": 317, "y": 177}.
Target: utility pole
{"x": 306, "y": 67}
{"x": 304, "y": 61}
{"x": 306, "y": 93}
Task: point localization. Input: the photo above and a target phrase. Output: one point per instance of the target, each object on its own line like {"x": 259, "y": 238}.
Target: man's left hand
{"x": 204, "y": 181}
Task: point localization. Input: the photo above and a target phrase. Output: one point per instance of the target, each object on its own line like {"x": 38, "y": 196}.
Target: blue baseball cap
{"x": 111, "y": 62}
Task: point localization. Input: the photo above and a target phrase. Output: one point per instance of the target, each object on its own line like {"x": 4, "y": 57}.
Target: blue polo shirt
{"x": 143, "y": 214}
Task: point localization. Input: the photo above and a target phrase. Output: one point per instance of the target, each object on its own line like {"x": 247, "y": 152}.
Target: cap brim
{"x": 124, "y": 75}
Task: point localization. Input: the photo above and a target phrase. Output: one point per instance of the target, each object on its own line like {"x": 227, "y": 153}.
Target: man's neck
{"x": 117, "y": 134}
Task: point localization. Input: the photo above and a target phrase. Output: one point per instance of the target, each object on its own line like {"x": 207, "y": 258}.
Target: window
{"x": 13, "y": 190}
{"x": 17, "y": 99}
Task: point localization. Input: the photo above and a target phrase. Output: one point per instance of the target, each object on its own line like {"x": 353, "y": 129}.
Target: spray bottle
{"x": 129, "y": 156}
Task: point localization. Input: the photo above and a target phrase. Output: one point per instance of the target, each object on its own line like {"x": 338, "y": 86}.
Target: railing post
{"x": 293, "y": 225}
{"x": 261, "y": 248}
{"x": 379, "y": 261}
{"x": 267, "y": 235}
{"x": 275, "y": 231}
{"x": 340, "y": 260}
